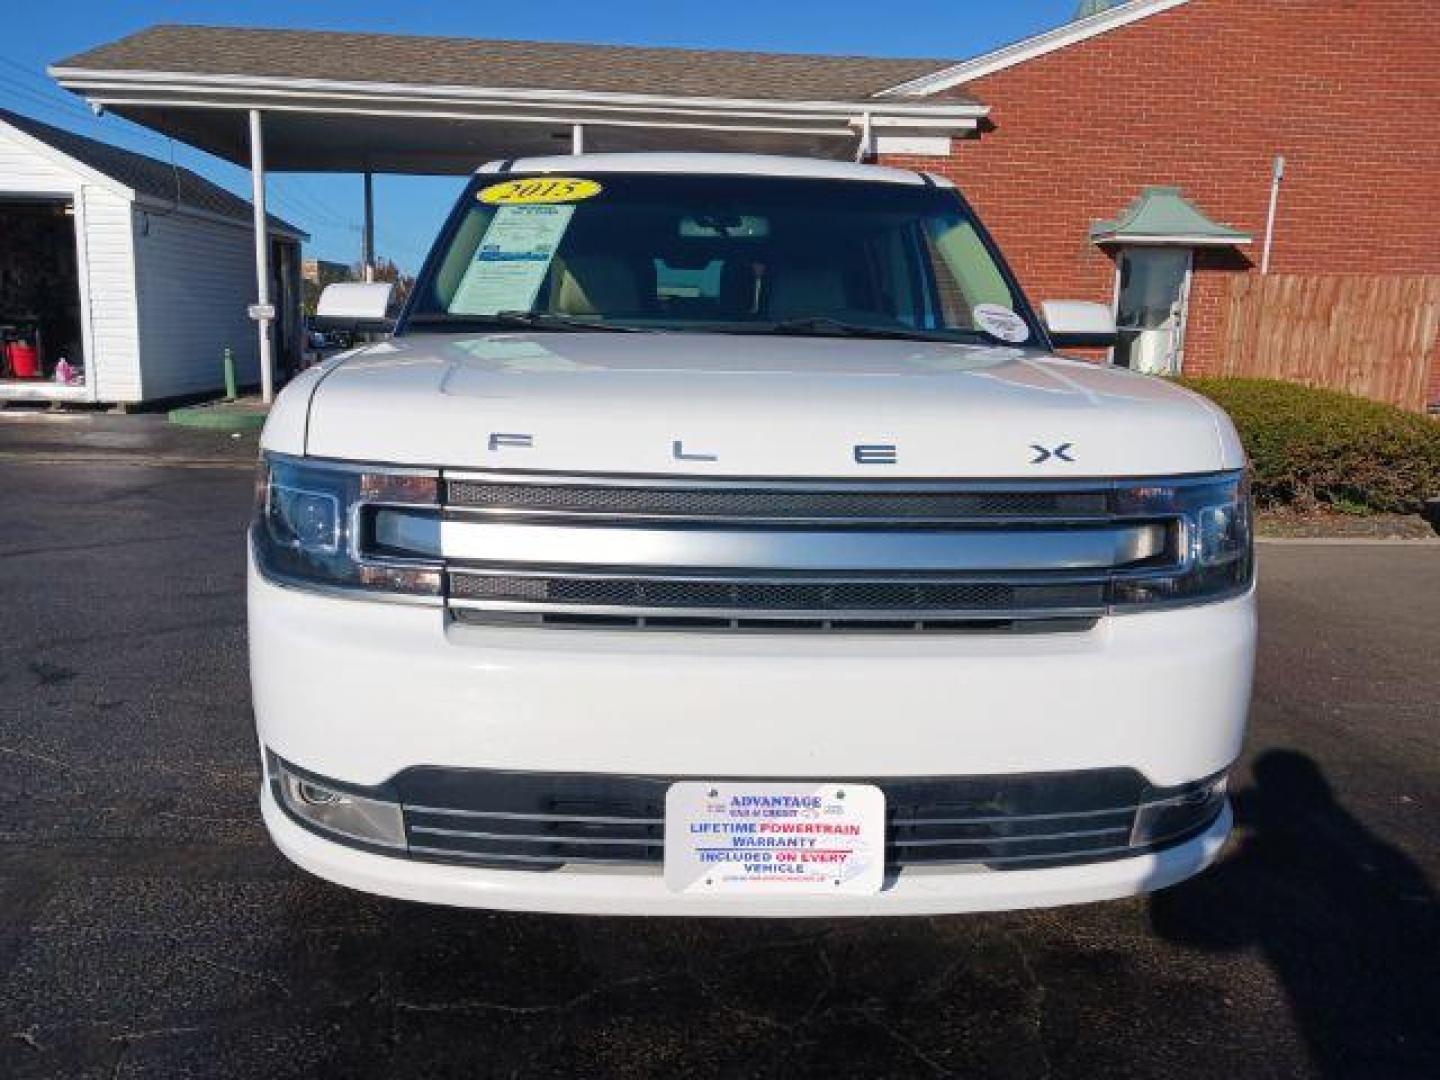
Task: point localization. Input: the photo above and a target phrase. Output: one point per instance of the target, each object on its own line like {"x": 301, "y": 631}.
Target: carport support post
{"x": 262, "y": 256}
{"x": 367, "y": 256}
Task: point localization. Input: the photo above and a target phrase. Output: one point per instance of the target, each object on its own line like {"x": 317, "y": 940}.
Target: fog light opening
{"x": 337, "y": 813}
{"x": 1164, "y": 816}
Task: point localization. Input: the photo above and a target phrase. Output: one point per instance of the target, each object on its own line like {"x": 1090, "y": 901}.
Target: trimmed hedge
{"x": 1319, "y": 447}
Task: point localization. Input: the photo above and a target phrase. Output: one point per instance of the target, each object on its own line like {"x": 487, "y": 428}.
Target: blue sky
{"x": 408, "y": 209}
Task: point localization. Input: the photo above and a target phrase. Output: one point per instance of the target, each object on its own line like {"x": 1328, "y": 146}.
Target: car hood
{"x": 762, "y": 406}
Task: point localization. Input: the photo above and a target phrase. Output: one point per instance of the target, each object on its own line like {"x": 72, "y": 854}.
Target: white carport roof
{"x": 384, "y": 103}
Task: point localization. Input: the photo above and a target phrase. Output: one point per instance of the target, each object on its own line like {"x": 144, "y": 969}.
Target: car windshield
{"x": 726, "y": 254}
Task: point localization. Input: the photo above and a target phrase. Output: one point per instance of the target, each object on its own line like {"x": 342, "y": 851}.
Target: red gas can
{"x": 24, "y": 360}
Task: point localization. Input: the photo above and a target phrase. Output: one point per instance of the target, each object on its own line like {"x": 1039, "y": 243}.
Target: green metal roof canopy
{"x": 1162, "y": 215}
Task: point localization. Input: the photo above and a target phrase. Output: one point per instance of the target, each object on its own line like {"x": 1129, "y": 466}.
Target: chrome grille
{"x": 545, "y": 821}
{"x": 700, "y": 554}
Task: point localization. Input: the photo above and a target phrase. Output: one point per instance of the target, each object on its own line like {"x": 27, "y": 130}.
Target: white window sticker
{"x": 1000, "y": 322}
{"x": 512, "y": 260}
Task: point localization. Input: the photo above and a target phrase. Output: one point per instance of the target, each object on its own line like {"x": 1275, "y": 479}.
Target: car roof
{"x": 711, "y": 165}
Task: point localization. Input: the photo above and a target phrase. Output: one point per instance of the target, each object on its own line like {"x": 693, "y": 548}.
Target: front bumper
{"x": 641, "y": 890}
{"x": 359, "y": 691}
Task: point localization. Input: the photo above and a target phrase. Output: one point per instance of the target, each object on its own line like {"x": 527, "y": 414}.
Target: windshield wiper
{"x": 824, "y": 326}
{"x": 536, "y": 320}
{"x": 545, "y": 320}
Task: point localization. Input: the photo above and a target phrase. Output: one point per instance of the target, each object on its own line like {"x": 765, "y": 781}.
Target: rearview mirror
{"x": 356, "y": 306}
{"x": 1079, "y": 324}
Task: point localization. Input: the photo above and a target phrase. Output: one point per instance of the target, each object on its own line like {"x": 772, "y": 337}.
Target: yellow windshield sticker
{"x": 539, "y": 189}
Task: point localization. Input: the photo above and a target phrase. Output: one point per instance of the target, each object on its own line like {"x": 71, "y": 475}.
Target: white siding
{"x": 196, "y": 278}
{"x": 24, "y": 172}
{"x": 109, "y": 266}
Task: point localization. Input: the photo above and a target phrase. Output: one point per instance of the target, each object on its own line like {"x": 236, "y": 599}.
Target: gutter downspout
{"x": 865, "y": 151}
{"x": 1276, "y": 177}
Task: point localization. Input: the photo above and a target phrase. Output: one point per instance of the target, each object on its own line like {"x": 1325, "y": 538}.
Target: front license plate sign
{"x": 772, "y": 839}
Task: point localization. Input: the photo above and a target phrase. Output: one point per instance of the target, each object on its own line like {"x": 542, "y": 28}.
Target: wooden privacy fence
{"x": 1368, "y": 335}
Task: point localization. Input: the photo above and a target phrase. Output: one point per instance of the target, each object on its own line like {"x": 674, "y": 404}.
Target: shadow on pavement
{"x": 1347, "y": 922}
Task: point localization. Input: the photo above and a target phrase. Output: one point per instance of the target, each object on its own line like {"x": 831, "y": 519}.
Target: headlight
{"x": 315, "y": 526}
{"x": 1213, "y": 557}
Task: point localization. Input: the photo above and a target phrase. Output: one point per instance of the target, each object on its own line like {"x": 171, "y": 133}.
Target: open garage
{"x": 122, "y": 278}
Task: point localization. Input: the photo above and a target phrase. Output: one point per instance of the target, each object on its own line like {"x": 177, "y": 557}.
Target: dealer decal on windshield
{"x": 1000, "y": 322}
{"x": 539, "y": 190}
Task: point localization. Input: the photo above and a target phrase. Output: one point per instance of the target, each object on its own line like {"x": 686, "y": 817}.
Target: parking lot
{"x": 147, "y": 928}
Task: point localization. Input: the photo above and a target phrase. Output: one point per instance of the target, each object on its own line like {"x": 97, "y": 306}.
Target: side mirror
{"x": 356, "y": 307}
{"x": 1079, "y": 324}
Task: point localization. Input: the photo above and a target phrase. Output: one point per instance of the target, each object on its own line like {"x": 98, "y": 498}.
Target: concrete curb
{"x": 122, "y": 460}
{"x": 1349, "y": 541}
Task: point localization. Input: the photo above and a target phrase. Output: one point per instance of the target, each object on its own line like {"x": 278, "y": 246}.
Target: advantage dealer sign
{"x": 769, "y": 838}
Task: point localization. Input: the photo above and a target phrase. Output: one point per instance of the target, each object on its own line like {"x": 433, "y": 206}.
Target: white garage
{"x": 123, "y": 279}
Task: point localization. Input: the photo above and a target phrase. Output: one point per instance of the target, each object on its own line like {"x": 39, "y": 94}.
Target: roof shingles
{"x": 470, "y": 62}
{"x": 143, "y": 175}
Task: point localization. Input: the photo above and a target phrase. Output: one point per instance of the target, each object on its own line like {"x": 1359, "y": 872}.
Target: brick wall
{"x": 1204, "y": 96}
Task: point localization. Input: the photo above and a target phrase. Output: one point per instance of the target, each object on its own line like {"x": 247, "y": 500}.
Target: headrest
{"x": 593, "y": 285}
{"x": 802, "y": 292}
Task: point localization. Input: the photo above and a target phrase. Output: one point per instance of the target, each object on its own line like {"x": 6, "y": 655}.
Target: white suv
{"x": 720, "y": 535}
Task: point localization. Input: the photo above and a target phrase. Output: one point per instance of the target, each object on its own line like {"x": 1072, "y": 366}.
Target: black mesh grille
{"x": 866, "y": 596}
{"x": 542, "y": 821}
{"x": 725, "y": 501}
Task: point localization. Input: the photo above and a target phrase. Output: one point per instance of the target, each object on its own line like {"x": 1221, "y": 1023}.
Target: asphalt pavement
{"x": 147, "y": 927}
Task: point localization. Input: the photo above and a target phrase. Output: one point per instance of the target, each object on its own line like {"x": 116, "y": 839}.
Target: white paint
{"x": 711, "y": 165}
{"x": 866, "y": 146}
{"x": 847, "y": 706}
{"x": 626, "y": 891}
{"x": 1196, "y": 240}
{"x": 1078, "y": 317}
{"x": 489, "y": 698}
{"x": 197, "y": 85}
{"x": 918, "y": 145}
{"x": 1072, "y": 33}
{"x": 262, "y": 254}
{"x": 1277, "y": 177}
{"x": 359, "y": 300}
{"x": 193, "y": 277}
{"x": 765, "y": 406}
{"x": 563, "y": 109}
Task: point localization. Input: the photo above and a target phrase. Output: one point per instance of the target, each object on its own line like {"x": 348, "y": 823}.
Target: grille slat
{"x": 1004, "y": 821}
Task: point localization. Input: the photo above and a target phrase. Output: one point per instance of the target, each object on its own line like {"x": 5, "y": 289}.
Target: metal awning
{"x": 383, "y": 103}
{"x": 1162, "y": 215}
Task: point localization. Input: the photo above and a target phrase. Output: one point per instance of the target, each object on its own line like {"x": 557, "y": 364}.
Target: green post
{"x": 229, "y": 375}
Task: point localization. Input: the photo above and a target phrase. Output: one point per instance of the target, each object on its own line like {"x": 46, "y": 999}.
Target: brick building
{"x": 1203, "y": 95}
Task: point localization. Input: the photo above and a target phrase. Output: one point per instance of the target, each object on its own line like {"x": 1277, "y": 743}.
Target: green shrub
{"x": 1319, "y": 447}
